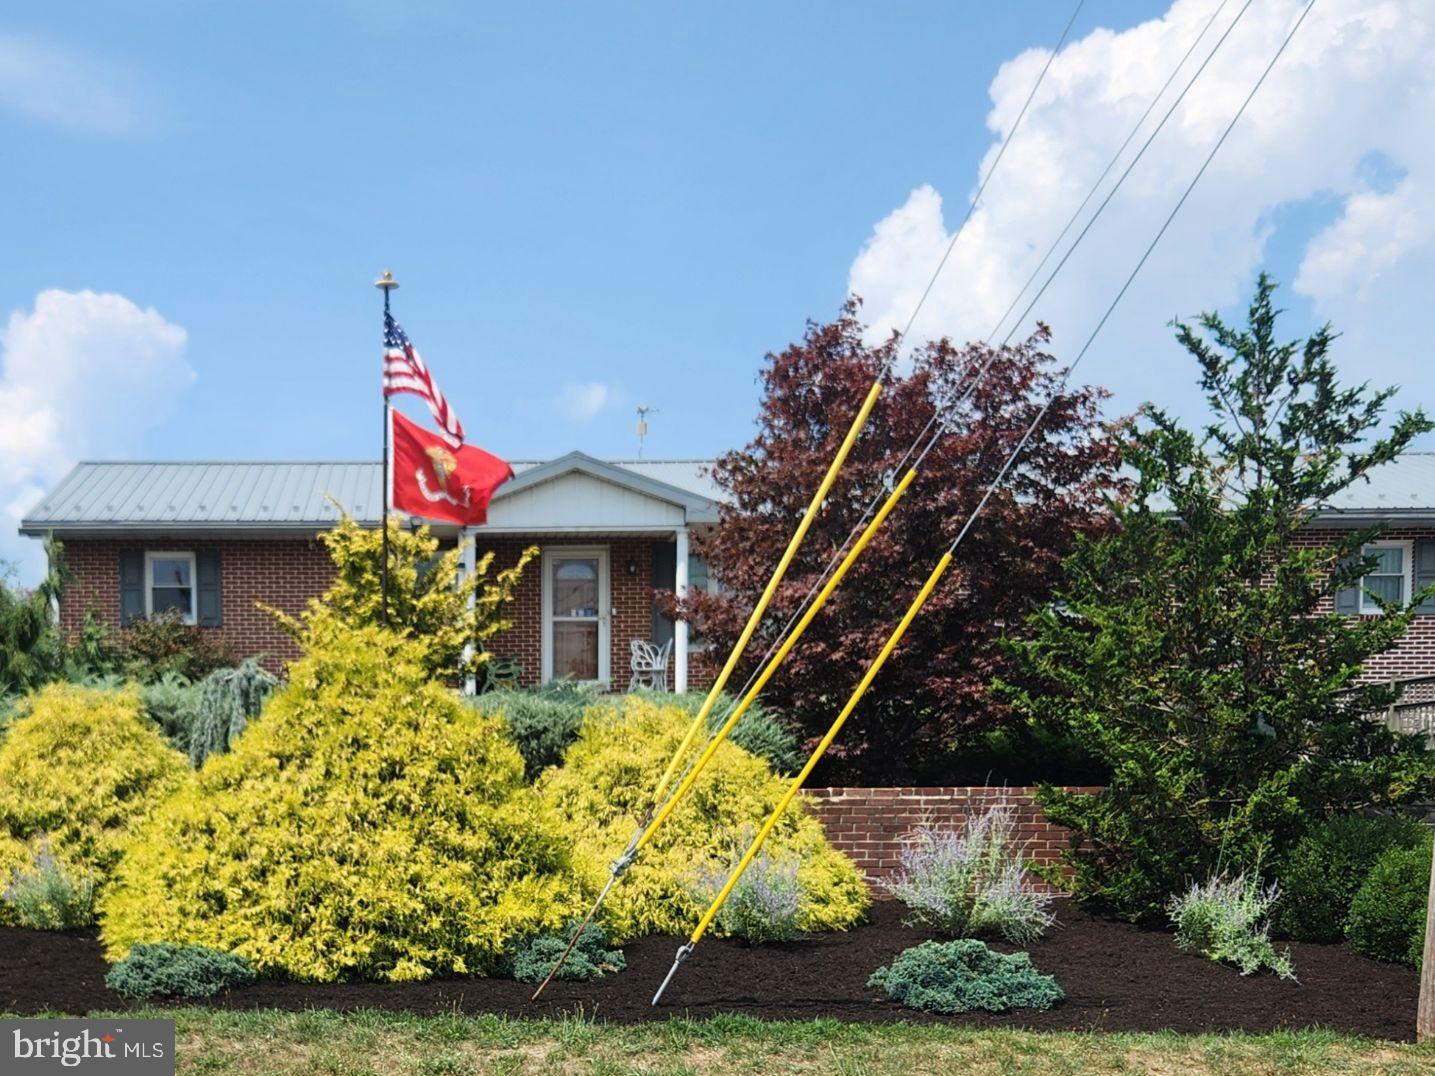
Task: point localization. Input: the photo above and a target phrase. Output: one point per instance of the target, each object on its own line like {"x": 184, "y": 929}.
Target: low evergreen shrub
{"x": 971, "y": 881}
{"x": 542, "y": 722}
{"x": 1225, "y": 920}
{"x": 765, "y": 904}
{"x": 962, "y": 976}
{"x": 1387, "y": 916}
{"x": 172, "y": 703}
{"x": 590, "y": 959}
{"x": 1322, "y": 874}
{"x": 47, "y": 895}
{"x": 759, "y": 731}
{"x": 229, "y": 699}
{"x": 603, "y": 788}
{"x": 177, "y": 971}
{"x": 80, "y": 768}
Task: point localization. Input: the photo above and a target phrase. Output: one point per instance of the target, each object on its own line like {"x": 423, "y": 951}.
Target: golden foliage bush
{"x": 368, "y": 825}
{"x": 83, "y": 766}
{"x": 429, "y": 593}
{"x": 603, "y": 784}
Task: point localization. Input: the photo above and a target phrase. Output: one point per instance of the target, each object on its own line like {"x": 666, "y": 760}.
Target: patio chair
{"x": 649, "y": 665}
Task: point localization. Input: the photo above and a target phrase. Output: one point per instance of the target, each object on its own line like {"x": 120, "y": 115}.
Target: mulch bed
{"x": 1117, "y": 978}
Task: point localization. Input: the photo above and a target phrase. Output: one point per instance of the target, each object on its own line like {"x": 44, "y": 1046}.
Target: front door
{"x": 576, "y": 615}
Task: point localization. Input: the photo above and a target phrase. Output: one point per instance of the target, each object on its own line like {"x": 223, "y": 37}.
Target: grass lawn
{"x": 381, "y": 1043}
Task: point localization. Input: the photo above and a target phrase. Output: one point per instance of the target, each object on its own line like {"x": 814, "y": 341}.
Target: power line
{"x": 970, "y": 385}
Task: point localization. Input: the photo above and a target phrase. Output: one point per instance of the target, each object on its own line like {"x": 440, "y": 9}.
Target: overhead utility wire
{"x": 801, "y": 616}
{"x": 927, "y": 587}
{"x": 699, "y": 721}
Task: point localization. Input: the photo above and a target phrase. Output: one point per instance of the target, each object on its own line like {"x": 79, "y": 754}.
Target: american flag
{"x": 405, "y": 372}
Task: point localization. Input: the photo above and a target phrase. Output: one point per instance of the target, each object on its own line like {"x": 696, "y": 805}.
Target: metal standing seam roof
{"x": 1404, "y": 486}
{"x": 253, "y": 495}
{"x": 260, "y": 495}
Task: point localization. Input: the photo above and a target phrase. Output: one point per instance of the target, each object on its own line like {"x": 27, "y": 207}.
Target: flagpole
{"x": 386, "y": 284}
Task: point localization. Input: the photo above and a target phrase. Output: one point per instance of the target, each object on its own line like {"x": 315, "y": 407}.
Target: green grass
{"x": 385, "y": 1044}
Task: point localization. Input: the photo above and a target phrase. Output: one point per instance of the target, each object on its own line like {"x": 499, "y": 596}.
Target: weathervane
{"x": 643, "y": 412}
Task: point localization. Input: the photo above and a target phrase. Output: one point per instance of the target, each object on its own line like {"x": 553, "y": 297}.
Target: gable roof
{"x": 101, "y": 497}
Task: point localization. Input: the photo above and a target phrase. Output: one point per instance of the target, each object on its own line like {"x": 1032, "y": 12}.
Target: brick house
{"x": 213, "y": 539}
{"x": 225, "y": 535}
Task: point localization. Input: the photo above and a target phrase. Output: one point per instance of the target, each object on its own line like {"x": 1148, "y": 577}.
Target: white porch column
{"x": 470, "y": 565}
{"x": 680, "y": 626}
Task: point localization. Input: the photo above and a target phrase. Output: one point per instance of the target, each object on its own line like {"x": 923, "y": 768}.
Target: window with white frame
{"x": 169, "y": 584}
{"x": 1390, "y": 580}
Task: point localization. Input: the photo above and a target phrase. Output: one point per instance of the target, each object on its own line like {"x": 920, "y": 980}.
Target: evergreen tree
{"x": 1195, "y": 649}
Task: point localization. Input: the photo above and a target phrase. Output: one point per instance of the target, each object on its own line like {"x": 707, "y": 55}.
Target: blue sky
{"x": 589, "y": 207}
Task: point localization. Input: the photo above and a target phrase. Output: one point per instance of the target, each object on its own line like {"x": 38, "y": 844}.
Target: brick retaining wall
{"x": 868, "y": 824}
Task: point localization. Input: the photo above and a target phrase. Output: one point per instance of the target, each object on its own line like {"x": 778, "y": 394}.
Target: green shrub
{"x": 172, "y": 703}
{"x": 81, "y": 767}
{"x": 370, "y": 826}
{"x": 47, "y": 895}
{"x": 1321, "y": 876}
{"x": 156, "y": 645}
{"x": 228, "y": 700}
{"x": 758, "y": 732}
{"x": 960, "y": 976}
{"x": 542, "y": 722}
{"x": 1387, "y": 916}
{"x": 971, "y": 881}
{"x": 765, "y": 904}
{"x": 590, "y": 959}
{"x": 602, "y": 789}
{"x": 177, "y": 971}
{"x": 1225, "y": 920}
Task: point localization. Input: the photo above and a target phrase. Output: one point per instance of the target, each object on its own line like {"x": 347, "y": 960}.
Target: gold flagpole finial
{"x": 386, "y": 282}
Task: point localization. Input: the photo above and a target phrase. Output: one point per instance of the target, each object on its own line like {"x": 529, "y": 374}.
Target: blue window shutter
{"x": 206, "y": 569}
{"x": 131, "y": 586}
{"x": 1347, "y": 599}
{"x": 665, "y": 577}
{"x": 1425, "y": 572}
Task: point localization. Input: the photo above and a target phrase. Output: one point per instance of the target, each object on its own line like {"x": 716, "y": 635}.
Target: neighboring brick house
{"x": 214, "y": 539}
{"x": 1401, "y": 497}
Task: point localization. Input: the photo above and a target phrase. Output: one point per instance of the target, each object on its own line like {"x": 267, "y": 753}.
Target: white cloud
{"x": 81, "y": 374}
{"x": 1355, "y": 82}
{"x": 50, "y": 84}
{"x": 581, "y": 401}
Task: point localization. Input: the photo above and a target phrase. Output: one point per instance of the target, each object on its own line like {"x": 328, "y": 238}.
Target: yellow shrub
{"x": 368, "y": 825}
{"x": 602, "y": 785}
{"x": 83, "y": 766}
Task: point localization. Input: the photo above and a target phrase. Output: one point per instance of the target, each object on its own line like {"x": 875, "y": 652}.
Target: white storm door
{"x": 576, "y": 620}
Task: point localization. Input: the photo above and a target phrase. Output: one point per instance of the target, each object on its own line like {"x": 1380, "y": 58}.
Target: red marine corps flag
{"x": 435, "y": 480}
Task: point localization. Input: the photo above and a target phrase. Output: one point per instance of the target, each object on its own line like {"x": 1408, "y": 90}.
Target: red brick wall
{"x": 284, "y": 573}
{"x": 1414, "y": 655}
{"x": 868, "y": 824}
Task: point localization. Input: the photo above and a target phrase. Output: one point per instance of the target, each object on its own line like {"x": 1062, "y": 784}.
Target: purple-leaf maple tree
{"x": 934, "y": 689}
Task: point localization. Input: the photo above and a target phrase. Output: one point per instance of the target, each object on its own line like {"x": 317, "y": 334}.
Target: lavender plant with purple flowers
{"x": 971, "y": 881}
{"x": 763, "y": 906}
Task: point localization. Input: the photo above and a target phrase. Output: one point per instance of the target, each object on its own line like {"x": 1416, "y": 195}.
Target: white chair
{"x": 649, "y": 664}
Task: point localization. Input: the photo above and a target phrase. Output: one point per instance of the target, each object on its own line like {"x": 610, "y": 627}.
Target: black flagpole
{"x": 386, "y": 284}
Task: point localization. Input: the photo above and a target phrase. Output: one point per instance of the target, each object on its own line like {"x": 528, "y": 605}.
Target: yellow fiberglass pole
{"x": 700, "y": 721}
{"x": 796, "y": 786}
{"x": 649, "y": 822}
{"x": 771, "y": 668}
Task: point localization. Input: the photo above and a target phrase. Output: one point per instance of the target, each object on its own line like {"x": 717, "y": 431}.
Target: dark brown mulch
{"x": 1116, "y": 977}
